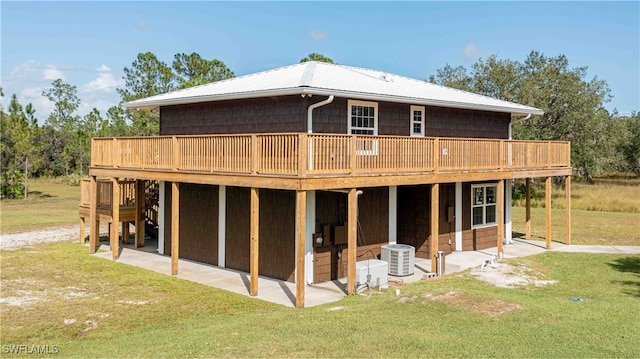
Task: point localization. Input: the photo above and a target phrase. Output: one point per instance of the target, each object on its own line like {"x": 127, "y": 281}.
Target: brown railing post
{"x": 352, "y": 155}
{"x": 568, "y": 154}
{"x": 176, "y": 153}
{"x": 501, "y": 161}
{"x": 303, "y": 140}
{"x": 116, "y": 158}
{"x": 436, "y": 154}
{"x": 548, "y": 154}
{"x": 527, "y": 150}
{"x": 254, "y": 155}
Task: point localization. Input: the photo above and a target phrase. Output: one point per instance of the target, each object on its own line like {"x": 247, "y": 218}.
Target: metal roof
{"x": 319, "y": 78}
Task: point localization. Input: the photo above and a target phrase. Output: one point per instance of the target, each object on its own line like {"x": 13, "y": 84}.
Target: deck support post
{"x": 175, "y": 226}
{"x": 527, "y": 226}
{"x": 301, "y": 210}
{"x": 547, "y": 206}
{"x": 352, "y": 224}
{"x": 255, "y": 241}
{"x": 94, "y": 224}
{"x": 161, "y": 212}
{"x": 567, "y": 210}
{"x": 125, "y": 232}
{"x": 115, "y": 218}
{"x": 435, "y": 231}
{"x": 500, "y": 219}
{"x": 140, "y": 200}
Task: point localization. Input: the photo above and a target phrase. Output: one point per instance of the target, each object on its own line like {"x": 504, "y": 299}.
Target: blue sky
{"x": 89, "y": 43}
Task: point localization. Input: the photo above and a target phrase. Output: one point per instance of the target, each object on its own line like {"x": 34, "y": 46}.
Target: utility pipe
{"x": 310, "y": 112}
{"x": 516, "y": 121}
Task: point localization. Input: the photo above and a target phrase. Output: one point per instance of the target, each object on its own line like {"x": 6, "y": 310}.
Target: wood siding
{"x": 331, "y": 209}
{"x": 289, "y": 114}
{"x": 277, "y": 232}
{"x": 198, "y": 222}
{"x": 414, "y": 218}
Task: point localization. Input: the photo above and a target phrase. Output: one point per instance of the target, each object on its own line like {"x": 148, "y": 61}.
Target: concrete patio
{"x": 282, "y": 292}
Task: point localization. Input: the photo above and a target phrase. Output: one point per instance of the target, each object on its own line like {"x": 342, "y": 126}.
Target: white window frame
{"x": 412, "y": 121}
{"x": 484, "y": 205}
{"x": 373, "y": 150}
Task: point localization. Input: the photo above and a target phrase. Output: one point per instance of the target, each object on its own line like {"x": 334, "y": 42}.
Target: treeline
{"x": 574, "y": 111}
{"x": 573, "y": 108}
{"x": 62, "y": 145}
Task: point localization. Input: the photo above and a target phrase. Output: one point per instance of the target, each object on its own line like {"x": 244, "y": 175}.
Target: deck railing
{"x": 305, "y": 155}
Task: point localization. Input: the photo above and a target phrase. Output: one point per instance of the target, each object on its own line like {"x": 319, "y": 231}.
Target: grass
{"x": 123, "y": 311}
{"x": 608, "y": 194}
{"x": 50, "y": 203}
{"x": 588, "y": 227}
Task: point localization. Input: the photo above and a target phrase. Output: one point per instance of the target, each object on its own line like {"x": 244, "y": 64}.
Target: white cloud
{"x": 51, "y": 72}
{"x": 105, "y": 81}
{"x": 318, "y": 35}
{"x": 41, "y": 104}
{"x": 24, "y": 69}
{"x": 473, "y": 52}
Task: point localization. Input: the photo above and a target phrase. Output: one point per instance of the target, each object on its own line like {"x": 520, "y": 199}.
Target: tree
{"x": 146, "y": 77}
{"x": 630, "y": 146}
{"x": 454, "y": 77}
{"x": 63, "y": 122}
{"x": 192, "y": 70}
{"x": 316, "y": 57}
{"x": 573, "y": 106}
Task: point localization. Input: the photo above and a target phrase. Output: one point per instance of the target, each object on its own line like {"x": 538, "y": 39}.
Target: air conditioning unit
{"x": 401, "y": 259}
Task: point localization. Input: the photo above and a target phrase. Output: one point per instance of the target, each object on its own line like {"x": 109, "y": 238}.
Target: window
{"x": 363, "y": 118}
{"x": 417, "y": 120}
{"x": 483, "y": 205}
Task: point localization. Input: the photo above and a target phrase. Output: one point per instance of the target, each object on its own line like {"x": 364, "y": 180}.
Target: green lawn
{"x": 50, "y": 203}
{"x": 114, "y": 310}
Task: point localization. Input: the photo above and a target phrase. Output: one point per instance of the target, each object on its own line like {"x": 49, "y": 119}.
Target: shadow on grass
{"x": 628, "y": 265}
{"x": 39, "y": 194}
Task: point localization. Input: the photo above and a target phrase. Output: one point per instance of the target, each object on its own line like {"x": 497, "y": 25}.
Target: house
{"x": 298, "y": 172}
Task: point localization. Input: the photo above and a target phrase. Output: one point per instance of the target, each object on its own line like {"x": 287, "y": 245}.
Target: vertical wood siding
{"x": 198, "y": 222}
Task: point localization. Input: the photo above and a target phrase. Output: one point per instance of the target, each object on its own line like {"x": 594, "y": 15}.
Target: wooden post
{"x": 81, "y": 230}
{"x": 125, "y": 232}
{"x": 527, "y": 225}
{"x": 140, "y": 214}
{"x": 435, "y": 231}
{"x": 176, "y": 153}
{"x": 94, "y": 225}
{"x": 254, "y": 155}
{"x": 567, "y": 210}
{"x": 115, "y": 218}
{"x": 500, "y": 219}
{"x": 255, "y": 241}
{"x": 352, "y": 155}
{"x": 301, "y": 210}
{"x": 352, "y": 224}
{"x": 175, "y": 227}
{"x": 547, "y": 205}
{"x": 302, "y": 154}
{"x": 436, "y": 156}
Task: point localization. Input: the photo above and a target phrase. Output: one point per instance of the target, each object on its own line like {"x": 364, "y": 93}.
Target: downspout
{"x": 516, "y": 121}
{"x": 310, "y": 112}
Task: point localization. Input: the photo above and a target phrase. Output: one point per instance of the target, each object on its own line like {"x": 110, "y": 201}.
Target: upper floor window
{"x": 483, "y": 205}
{"x": 417, "y": 120}
{"x": 363, "y": 117}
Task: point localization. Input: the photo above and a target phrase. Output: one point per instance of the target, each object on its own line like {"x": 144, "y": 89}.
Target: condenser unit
{"x": 401, "y": 258}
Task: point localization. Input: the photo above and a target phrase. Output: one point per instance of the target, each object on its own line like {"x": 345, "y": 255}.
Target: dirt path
{"x": 16, "y": 241}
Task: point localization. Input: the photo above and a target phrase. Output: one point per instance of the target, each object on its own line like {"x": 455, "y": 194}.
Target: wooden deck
{"x": 322, "y": 161}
